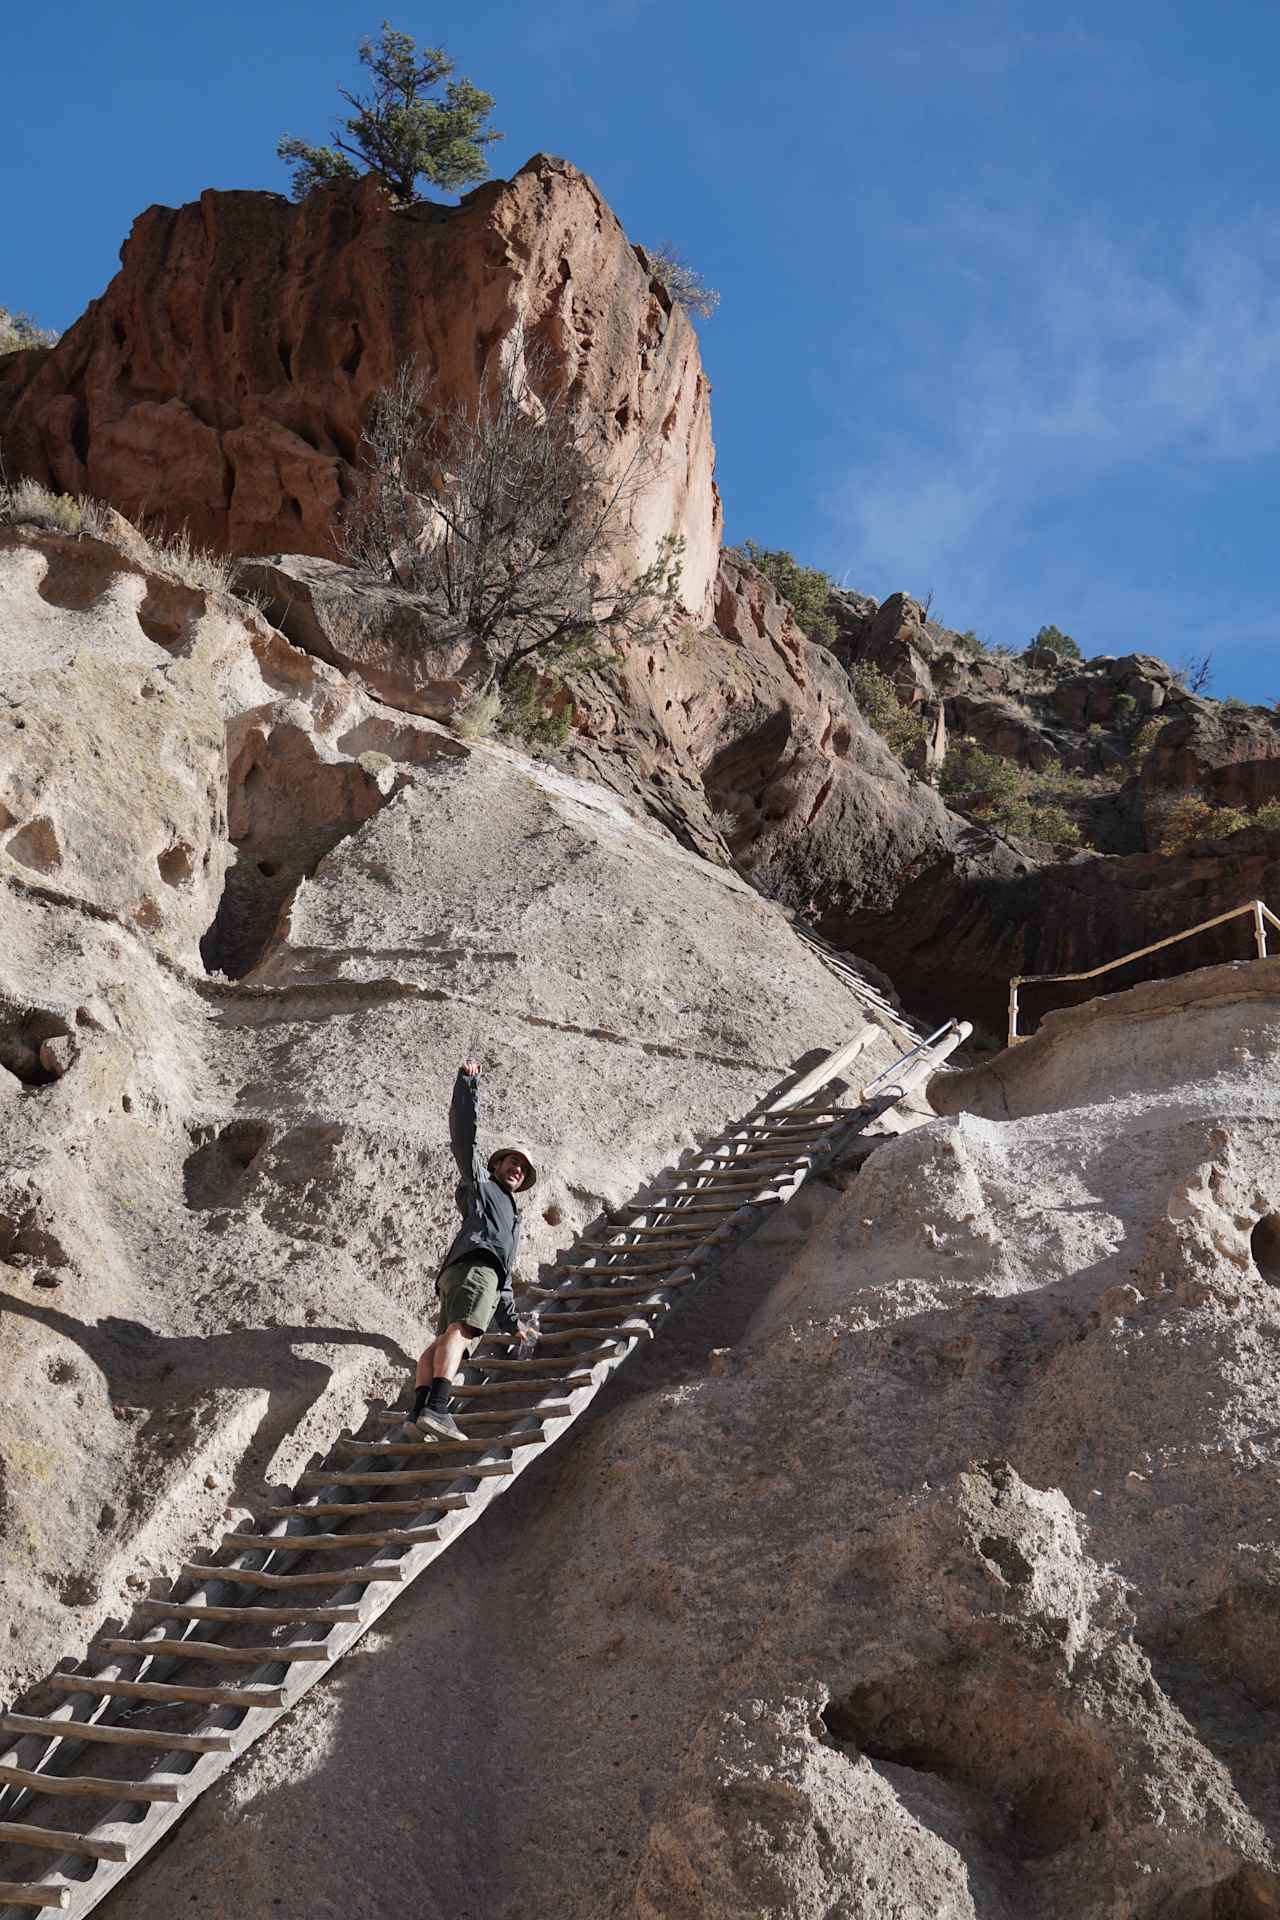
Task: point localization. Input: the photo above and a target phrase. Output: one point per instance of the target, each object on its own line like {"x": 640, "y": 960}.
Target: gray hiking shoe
{"x": 431, "y": 1425}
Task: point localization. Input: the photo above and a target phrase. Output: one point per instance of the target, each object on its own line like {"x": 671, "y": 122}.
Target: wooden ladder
{"x": 149, "y": 1723}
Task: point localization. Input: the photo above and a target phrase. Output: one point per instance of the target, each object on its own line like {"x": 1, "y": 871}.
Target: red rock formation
{"x": 223, "y": 378}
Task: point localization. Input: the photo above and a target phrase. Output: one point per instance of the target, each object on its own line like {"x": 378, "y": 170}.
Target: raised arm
{"x": 462, "y": 1122}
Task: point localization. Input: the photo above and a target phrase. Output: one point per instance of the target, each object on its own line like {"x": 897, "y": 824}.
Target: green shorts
{"x": 468, "y": 1293}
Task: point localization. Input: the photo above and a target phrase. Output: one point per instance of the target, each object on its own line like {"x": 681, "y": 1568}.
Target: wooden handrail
{"x": 1258, "y": 908}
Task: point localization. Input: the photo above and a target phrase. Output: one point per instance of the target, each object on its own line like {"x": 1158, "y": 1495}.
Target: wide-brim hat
{"x": 530, "y": 1171}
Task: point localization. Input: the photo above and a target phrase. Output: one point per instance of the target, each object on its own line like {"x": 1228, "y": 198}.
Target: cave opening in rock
{"x": 1264, "y": 1245}
{"x": 286, "y": 809}
{"x": 36, "y": 1046}
{"x": 1050, "y": 1780}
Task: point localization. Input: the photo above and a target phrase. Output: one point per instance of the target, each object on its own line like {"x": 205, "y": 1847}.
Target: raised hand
{"x": 471, "y": 1068}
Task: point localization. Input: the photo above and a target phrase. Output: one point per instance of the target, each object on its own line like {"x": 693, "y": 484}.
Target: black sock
{"x": 438, "y": 1394}
{"x": 419, "y": 1400}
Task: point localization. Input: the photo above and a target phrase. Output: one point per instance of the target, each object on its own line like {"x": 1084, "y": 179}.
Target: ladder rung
{"x": 84, "y": 1786}
{"x": 607, "y": 1314}
{"x": 694, "y": 1212}
{"x": 340, "y": 1542}
{"x": 349, "y": 1509}
{"x": 436, "y": 1446}
{"x": 535, "y": 1367}
{"x": 541, "y": 1410}
{"x": 477, "y": 1389}
{"x": 765, "y": 1156}
{"x": 413, "y": 1477}
{"x": 162, "y": 1690}
{"x": 202, "y": 1650}
{"x": 256, "y": 1616}
{"x": 657, "y": 1269}
{"x": 21, "y": 1893}
{"x": 702, "y": 1240}
{"x": 112, "y": 1736}
{"x": 604, "y": 1293}
{"x": 278, "y": 1582}
{"x": 556, "y": 1336}
{"x": 675, "y": 1244}
{"x": 59, "y": 1840}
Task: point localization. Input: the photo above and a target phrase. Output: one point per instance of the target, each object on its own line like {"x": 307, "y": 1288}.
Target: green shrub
{"x": 1060, "y": 642}
{"x": 1004, "y": 795}
{"x": 1192, "y": 818}
{"x": 1054, "y": 824}
{"x": 807, "y": 589}
{"x": 19, "y": 331}
{"x": 987, "y": 779}
{"x": 900, "y": 727}
{"x": 533, "y": 710}
{"x": 1143, "y": 741}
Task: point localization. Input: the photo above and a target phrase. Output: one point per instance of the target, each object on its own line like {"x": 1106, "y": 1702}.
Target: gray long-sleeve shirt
{"x": 491, "y": 1222}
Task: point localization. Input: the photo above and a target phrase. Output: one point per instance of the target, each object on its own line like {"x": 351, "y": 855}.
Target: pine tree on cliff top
{"x": 396, "y": 132}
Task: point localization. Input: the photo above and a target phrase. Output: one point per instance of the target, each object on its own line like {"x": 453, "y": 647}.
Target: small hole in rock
{"x": 268, "y": 868}
{"x": 1264, "y": 1245}
{"x": 176, "y": 864}
{"x": 126, "y": 1104}
{"x": 36, "y": 1047}
{"x": 36, "y": 845}
{"x": 552, "y": 1215}
{"x": 214, "y": 1172}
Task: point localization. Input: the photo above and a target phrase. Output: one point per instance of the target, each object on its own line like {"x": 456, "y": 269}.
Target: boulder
{"x": 223, "y": 379}
{"x": 373, "y": 632}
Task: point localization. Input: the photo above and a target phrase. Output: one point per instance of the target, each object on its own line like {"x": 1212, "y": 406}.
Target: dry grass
{"x": 477, "y": 717}
{"x": 177, "y": 557}
{"x": 27, "y": 504}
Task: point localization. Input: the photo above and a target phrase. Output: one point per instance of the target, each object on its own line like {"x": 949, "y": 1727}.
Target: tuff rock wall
{"x": 927, "y": 1567}
{"x": 222, "y": 380}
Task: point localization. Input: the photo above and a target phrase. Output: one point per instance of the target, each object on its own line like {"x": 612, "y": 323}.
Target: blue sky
{"x": 1000, "y": 309}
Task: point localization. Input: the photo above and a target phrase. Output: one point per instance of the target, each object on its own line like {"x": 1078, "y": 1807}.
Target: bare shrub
{"x": 1194, "y": 672}
{"x": 683, "y": 282}
{"x": 502, "y": 520}
{"x": 18, "y": 331}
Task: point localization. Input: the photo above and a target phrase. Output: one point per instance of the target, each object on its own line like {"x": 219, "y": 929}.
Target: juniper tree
{"x": 396, "y": 131}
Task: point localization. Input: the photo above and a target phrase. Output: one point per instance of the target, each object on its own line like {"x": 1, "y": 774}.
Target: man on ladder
{"x": 475, "y": 1277}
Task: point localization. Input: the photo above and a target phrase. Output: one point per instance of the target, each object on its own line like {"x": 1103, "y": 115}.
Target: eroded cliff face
{"x": 222, "y": 380}
{"x": 926, "y": 1567}
{"x": 250, "y": 922}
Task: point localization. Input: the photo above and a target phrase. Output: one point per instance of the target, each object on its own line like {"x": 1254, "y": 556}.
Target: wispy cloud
{"x": 1096, "y": 362}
